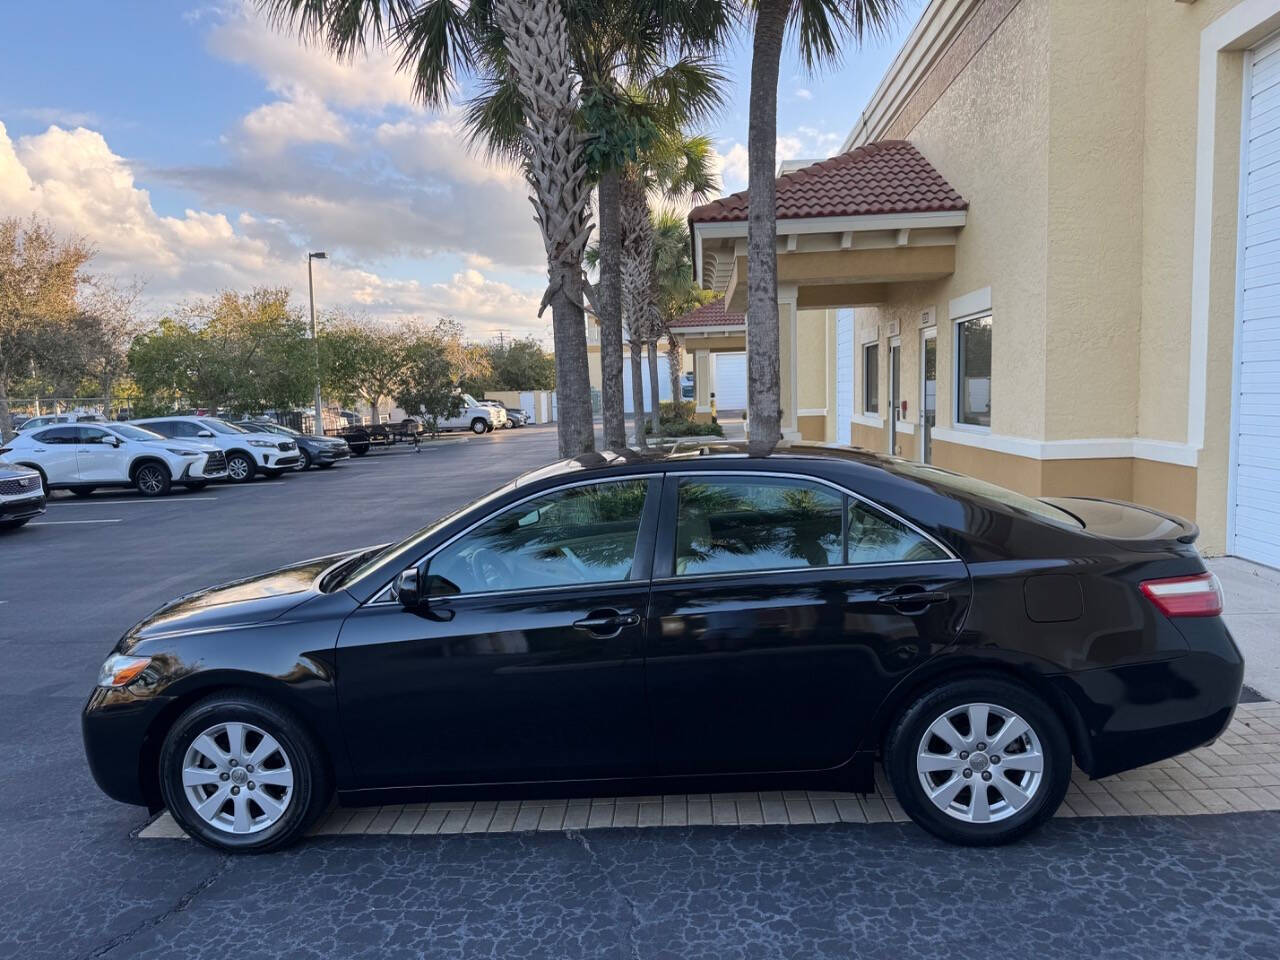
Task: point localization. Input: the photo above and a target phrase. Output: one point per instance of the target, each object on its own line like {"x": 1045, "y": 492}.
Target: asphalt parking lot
{"x": 76, "y": 881}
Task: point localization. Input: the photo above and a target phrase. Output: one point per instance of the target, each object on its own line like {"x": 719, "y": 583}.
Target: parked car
{"x": 323, "y": 452}
{"x": 36, "y": 423}
{"x": 21, "y": 495}
{"x": 247, "y": 452}
{"x": 84, "y": 456}
{"x": 671, "y": 619}
{"x": 515, "y": 416}
{"x": 356, "y": 437}
{"x": 474, "y": 416}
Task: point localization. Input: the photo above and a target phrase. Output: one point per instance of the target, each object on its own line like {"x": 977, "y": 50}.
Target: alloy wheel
{"x": 237, "y": 468}
{"x": 980, "y": 762}
{"x": 150, "y": 480}
{"x": 237, "y": 778}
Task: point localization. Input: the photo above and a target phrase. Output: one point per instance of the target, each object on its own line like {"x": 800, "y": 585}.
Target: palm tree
{"x": 821, "y": 27}
{"x": 678, "y": 293}
{"x": 678, "y": 167}
{"x": 523, "y": 46}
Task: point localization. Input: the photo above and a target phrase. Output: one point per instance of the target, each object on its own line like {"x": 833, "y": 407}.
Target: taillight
{"x": 1198, "y": 596}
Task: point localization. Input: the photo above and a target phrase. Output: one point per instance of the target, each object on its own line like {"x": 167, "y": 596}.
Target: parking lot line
{"x": 54, "y": 523}
{"x": 94, "y": 503}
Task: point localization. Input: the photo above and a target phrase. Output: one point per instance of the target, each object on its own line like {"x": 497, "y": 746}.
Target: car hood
{"x": 10, "y": 471}
{"x": 238, "y": 603}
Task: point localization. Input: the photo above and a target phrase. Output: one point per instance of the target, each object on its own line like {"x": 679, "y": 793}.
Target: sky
{"x": 198, "y": 150}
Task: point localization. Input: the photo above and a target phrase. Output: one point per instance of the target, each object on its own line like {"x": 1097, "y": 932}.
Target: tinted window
{"x": 221, "y": 426}
{"x": 59, "y": 435}
{"x": 973, "y": 371}
{"x": 130, "y": 432}
{"x": 757, "y": 523}
{"x": 871, "y": 378}
{"x": 875, "y": 537}
{"x": 580, "y": 535}
{"x": 92, "y": 435}
{"x": 166, "y": 428}
{"x": 959, "y": 484}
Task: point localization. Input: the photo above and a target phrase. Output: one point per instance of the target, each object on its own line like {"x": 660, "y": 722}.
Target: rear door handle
{"x": 606, "y": 623}
{"x": 918, "y": 599}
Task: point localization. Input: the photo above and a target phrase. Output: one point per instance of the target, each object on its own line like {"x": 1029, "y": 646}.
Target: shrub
{"x": 686, "y": 428}
{"x": 677, "y": 411}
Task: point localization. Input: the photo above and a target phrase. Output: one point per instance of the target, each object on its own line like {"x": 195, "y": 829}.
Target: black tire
{"x": 304, "y": 461}
{"x": 83, "y": 491}
{"x": 196, "y": 485}
{"x": 249, "y": 467}
{"x": 904, "y": 740}
{"x": 480, "y": 425}
{"x": 14, "y": 524}
{"x": 311, "y": 784}
{"x": 152, "y": 479}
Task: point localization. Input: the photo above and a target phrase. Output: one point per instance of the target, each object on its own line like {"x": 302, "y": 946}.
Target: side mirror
{"x": 408, "y": 590}
{"x": 114, "y": 441}
{"x": 205, "y": 433}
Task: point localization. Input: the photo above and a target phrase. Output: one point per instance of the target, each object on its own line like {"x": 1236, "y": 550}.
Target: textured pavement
{"x": 76, "y": 883}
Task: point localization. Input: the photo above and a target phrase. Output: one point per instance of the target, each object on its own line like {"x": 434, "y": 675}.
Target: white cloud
{"x": 67, "y": 118}
{"x": 305, "y": 119}
{"x": 732, "y": 167}
{"x": 801, "y": 93}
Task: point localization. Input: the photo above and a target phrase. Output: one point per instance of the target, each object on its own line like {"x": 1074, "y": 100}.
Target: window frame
{"x": 664, "y": 552}
{"x": 869, "y": 411}
{"x": 957, "y": 406}
{"x": 642, "y": 559}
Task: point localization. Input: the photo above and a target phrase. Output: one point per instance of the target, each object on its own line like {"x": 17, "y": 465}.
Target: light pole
{"x": 318, "y": 429}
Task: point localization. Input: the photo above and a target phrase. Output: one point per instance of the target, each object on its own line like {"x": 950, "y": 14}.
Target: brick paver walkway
{"x": 1238, "y": 774}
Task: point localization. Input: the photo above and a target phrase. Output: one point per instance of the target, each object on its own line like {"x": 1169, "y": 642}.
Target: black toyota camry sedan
{"x": 701, "y": 620}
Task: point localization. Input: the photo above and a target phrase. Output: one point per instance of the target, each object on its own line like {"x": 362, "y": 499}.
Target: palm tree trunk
{"x": 764, "y": 389}
{"x": 637, "y": 390}
{"x": 654, "y": 414}
{"x": 536, "y": 40}
{"x": 615, "y": 426}
{"x": 675, "y": 367}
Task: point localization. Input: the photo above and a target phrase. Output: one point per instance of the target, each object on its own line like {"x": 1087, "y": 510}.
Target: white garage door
{"x": 844, "y": 376}
{"x": 1256, "y": 490}
{"x": 664, "y": 382}
{"x": 731, "y": 381}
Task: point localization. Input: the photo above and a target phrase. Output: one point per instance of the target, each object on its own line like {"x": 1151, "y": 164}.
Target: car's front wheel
{"x": 152, "y": 480}
{"x": 480, "y": 425}
{"x": 304, "y": 461}
{"x": 240, "y": 467}
{"x": 238, "y": 772}
{"x": 979, "y": 761}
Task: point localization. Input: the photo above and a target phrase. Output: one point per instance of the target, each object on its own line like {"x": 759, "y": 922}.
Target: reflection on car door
{"x": 526, "y": 664}
{"x": 769, "y": 647}
{"x": 96, "y": 458}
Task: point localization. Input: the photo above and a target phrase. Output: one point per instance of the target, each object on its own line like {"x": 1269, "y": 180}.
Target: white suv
{"x": 21, "y": 495}
{"x": 475, "y": 416}
{"x": 246, "y": 452}
{"x": 84, "y": 456}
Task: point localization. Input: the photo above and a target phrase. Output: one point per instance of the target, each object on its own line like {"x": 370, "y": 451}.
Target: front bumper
{"x": 23, "y": 508}
{"x": 277, "y": 460}
{"x": 330, "y": 455}
{"x": 1138, "y": 713}
{"x": 115, "y": 725}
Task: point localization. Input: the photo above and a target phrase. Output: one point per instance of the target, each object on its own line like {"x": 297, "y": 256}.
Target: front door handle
{"x": 913, "y": 599}
{"x": 606, "y": 623}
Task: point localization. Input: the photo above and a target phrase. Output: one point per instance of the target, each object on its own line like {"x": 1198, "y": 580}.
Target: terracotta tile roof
{"x": 890, "y": 176}
{"x": 709, "y": 315}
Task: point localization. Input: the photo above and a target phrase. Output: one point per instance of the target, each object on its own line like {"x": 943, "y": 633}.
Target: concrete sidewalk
{"x": 1253, "y": 615}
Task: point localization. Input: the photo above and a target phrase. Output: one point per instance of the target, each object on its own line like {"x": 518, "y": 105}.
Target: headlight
{"x": 183, "y": 453}
{"x": 120, "y": 670}
{"x": 262, "y": 443}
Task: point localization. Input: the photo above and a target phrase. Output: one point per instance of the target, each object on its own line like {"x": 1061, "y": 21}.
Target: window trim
{"x": 867, "y": 411}
{"x": 665, "y": 546}
{"x": 383, "y": 594}
{"x": 957, "y": 407}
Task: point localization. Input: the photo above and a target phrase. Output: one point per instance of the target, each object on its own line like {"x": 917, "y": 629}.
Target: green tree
{"x": 361, "y": 363}
{"x": 429, "y": 385}
{"x": 521, "y": 365}
{"x": 40, "y": 277}
{"x": 821, "y": 28}
{"x": 677, "y": 292}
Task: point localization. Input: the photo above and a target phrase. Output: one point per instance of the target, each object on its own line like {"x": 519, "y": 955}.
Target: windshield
{"x": 406, "y": 547}
{"x": 469, "y": 400}
{"x": 130, "y": 432}
{"x": 221, "y": 426}
{"x": 960, "y": 483}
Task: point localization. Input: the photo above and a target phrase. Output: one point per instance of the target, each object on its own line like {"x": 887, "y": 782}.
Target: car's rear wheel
{"x": 979, "y": 761}
{"x": 151, "y": 479}
{"x": 238, "y": 772}
{"x": 240, "y": 467}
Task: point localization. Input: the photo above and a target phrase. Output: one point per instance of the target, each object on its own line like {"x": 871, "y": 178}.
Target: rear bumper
{"x": 20, "y": 509}
{"x": 1138, "y": 713}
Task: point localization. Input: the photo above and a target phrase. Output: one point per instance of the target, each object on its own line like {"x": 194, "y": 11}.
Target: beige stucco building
{"x": 1074, "y": 293}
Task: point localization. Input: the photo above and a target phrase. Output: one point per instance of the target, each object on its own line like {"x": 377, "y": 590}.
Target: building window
{"x": 973, "y": 371}
{"x": 871, "y": 378}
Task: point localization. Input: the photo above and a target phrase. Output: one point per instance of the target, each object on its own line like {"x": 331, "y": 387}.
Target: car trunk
{"x": 1136, "y": 527}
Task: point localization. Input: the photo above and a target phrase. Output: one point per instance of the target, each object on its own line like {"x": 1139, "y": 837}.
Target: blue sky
{"x": 197, "y": 150}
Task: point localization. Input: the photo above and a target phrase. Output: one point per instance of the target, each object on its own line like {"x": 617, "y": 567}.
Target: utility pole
{"x": 318, "y": 428}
